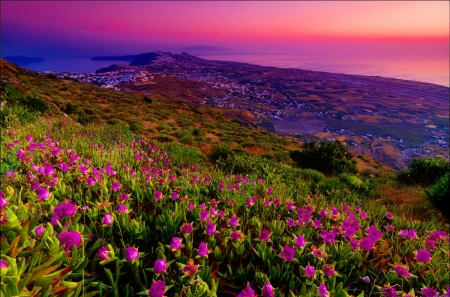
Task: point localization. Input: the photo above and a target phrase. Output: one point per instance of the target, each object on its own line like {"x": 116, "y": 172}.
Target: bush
{"x": 312, "y": 175}
{"x": 331, "y": 158}
{"x": 148, "y": 100}
{"x": 215, "y": 155}
{"x": 424, "y": 172}
{"x": 439, "y": 194}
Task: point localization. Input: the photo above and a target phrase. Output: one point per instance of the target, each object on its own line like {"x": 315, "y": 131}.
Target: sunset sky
{"x": 86, "y": 28}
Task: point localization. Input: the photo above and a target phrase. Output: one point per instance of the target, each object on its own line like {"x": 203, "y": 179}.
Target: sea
{"x": 431, "y": 70}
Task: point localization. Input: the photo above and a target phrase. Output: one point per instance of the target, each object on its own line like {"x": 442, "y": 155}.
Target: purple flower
{"x": 204, "y": 215}
{"x": 175, "y": 243}
{"x": 277, "y": 201}
{"x": 328, "y": 270}
{"x": 42, "y": 193}
{"x": 124, "y": 197}
{"x": 247, "y": 292}
{"x": 103, "y": 253}
{"x": 366, "y": 243}
{"x": 90, "y": 181}
{"x": 319, "y": 253}
{"x": 365, "y": 280}
{"x": 290, "y": 205}
{"x": 402, "y": 270}
{"x": 221, "y": 213}
{"x": 410, "y": 234}
{"x": 116, "y": 186}
{"x": 389, "y": 215}
{"x": 236, "y": 235}
{"x": 322, "y": 290}
{"x": 39, "y": 230}
{"x": 374, "y": 233}
{"x": 131, "y": 253}
{"x": 288, "y": 253}
{"x": 349, "y": 233}
{"x": 203, "y": 250}
{"x": 429, "y": 292}
{"x": 3, "y": 201}
{"x": 423, "y": 256}
{"x": 363, "y": 215}
{"x": 267, "y": 290}
{"x": 291, "y": 222}
{"x": 390, "y": 228}
{"x": 158, "y": 195}
{"x": 317, "y": 223}
{"x": 49, "y": 170}
{"x": 269, "y": 191}
{"x": 175, "y": 196}
{"x": 210, "y": 228}
{"x": 233, "y": 222}
{"x": 69, "y": 239}
{"x": 388, "y": 291}
{"x": 186, "y": 228}
{"x": 107, "y": 219}
{"x": 300, "y": 241}
{"x": 160, "y": 266}
{"x": 191, "y": 207}
{"x": 264, "y": 235}
{"x": 309, "y": 271}
{"x": 122, "y": 208}
{"x": 328, "y": 237}
{"x": 65, "y": 209}
{"x": 157, "y": 289}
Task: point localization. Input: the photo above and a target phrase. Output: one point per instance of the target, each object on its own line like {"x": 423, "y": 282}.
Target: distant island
{"x": 22, "y": 60}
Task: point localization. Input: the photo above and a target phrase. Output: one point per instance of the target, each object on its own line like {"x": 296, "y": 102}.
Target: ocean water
{"x": 426, "y": 69}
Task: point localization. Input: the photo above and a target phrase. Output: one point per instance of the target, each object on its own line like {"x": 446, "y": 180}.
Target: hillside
{"x": 91, "y": 207}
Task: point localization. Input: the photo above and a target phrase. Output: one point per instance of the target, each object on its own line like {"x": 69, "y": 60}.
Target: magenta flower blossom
{"x": 175, "y": 196}
{"x": 389, "y": 215}
{"x": 186, "y": 228}
{"x": 410, "y": 234}
{"x": 423, "y": 256}
{"x": 269, "y": 191}
{"x": 85, "y": 207}
{"x": 363, "y": 215}
{"x": 122, "y": 208}
{"x": 349, "y": 233}
{"x": 115, "y": 186}
{"x": 210, "y": 228}
{"x": 390, "y": 228}
{"x": 49, "y": 170}
{"x": 65, "y": 209}
{"x": 247, "y": 292}
{"x": 354, "y": 244}
{"x": 236, "y": 235}
{"x": 69, "y": 239}
{"x": 203, "y": 249}
{"x": 388, "y": 291}
{"x": 157, "y": 289}
{"x": 277, "y": 201}
{"x": 366, "y": 243}
{"x": 175, "y": 243}
{"x": 3, "y": 267}
{"x": 267, "y": 290}
{"x": 160, "y": 266}
{"x": 124, "y": 197}
{"x": 288, "y": 253}
{"x": 402, "y": 270}
{"x": 291, "y": 222}
{"x": 310, "y": 271}
{"x": 233, "y": 222}
{"x": 322, "y": 290}
{"x": 290, "y": 205}
{"x": 131, "y": 253}
{"x": 300, "y": 241}
{"x": 158, "y": 195}
{"x": 3, "y": 201}
{"x": 39, "y": 230}
{"x": 103, "y": 253}
{"x": 429, "y": 292}
{"x": 204, "y": 215}
{"x": 328, "y": 270}
{"x": 90, "y": 181}
{"x": 328, "y": 237}
{"x": 317, "y": 223}
{"x": 365, "y": 280}
{"x": 107, "y": 219}
{"x": 374, "y": 233}
{"x": 191, "y": 207}
{"x": 42, "y": 193}
{"x": 264, "y": 235}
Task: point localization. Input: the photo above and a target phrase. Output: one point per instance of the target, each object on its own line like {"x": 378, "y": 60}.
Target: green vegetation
{"x": 439, "y": 194}
{"x": 111, "y": 209}
{"x": 331, "y": 158}
{"x": 424, "y": 172}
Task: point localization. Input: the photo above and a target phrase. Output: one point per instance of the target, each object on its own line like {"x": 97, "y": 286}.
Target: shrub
{"x": 424, "y": 172}
{"x": 439, "y": 194}
{"x": 148, "y": 100}
{"x": 312, "y": 175}
{"x": 331, "y": 158}
{"x": 220, "y": 152}
{"x": 186, "y": 139}
{"x": 164, "y": 138}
